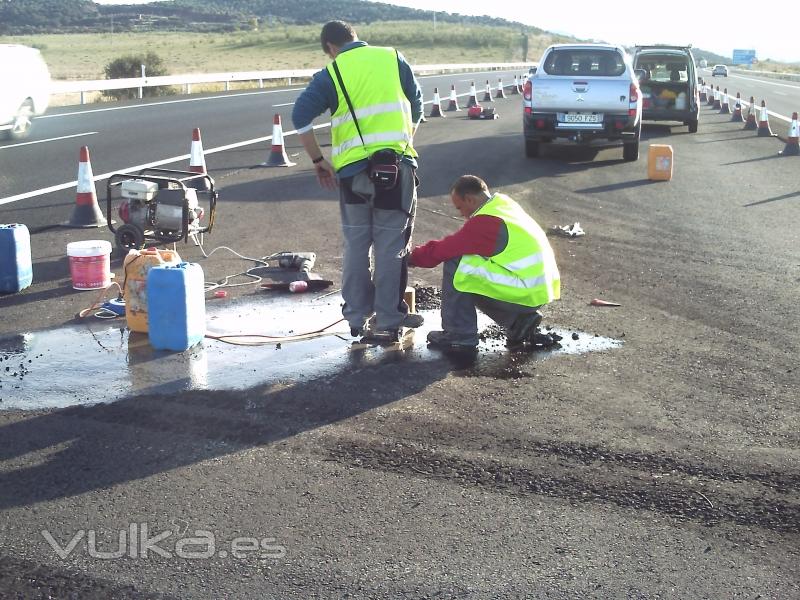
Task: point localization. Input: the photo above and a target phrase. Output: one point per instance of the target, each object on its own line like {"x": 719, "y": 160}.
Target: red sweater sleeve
{"x": 477, "y": 236}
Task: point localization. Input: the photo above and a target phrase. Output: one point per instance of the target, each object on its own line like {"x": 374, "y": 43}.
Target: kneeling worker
{"x": 500, "y": 261}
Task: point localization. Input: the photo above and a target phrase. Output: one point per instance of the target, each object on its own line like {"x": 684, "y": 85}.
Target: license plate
{"x": 582, "y": 118}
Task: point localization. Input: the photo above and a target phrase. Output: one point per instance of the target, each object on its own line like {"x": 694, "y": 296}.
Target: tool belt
{"x": 384, "y": 169}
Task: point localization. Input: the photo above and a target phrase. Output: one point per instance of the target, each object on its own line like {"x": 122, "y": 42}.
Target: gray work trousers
{"x": 459, "y": 317}
{"x": 381, "y": 220}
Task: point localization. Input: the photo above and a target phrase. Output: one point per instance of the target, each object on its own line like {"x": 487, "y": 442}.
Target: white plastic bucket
{"x": 90, "y": 264}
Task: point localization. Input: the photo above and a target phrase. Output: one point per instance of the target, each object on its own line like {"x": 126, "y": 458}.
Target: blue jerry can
{"x": 176, "y": 299}
{"x": 16, "y": 269}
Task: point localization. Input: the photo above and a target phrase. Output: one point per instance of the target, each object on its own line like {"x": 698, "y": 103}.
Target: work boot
{"x": 452, "y": 341}
{"x": 383, "y": 337}
{"x": 368, "y": 325}
{"x": 523, "y": 330}
{"x": 413, "y": 320}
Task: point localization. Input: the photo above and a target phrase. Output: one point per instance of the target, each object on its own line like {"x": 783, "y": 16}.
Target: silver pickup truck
{"x": 582, "y": 92}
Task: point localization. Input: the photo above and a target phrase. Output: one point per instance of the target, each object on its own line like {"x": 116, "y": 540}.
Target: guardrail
{"x": 99, "y": 85}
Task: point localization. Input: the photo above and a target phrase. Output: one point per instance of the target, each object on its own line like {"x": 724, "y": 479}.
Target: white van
{"x": 24, "y": 89}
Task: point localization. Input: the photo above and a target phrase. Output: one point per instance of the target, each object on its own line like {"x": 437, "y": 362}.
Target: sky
{"x": 713, "y": 26}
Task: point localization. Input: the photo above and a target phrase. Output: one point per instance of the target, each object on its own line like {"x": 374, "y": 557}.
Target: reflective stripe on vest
{"x": 524, "y": 272}
{"x": 371, "y": 76}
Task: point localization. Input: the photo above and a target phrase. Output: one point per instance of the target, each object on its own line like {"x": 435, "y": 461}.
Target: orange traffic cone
{"x": 725, "y": 103}
{"x": 751, "y": 122}
{"x": 436, "y": 109}
{"x": 501, "y": 93}
{"x": 792, "y": 146}
{"x": 763, "y": 122}
{"x": 473, "y": 96}
{"x": 717, "y": 99}
{"x": 197, "y": 160}
{"x": 515, "y": 87}
{"x": 453, "y": 104}
{"x": 86, "y": 212}
{"x": 487, "y": 95}
{"x": 277, "y": 156}
{"x": 737, "y": 109}
{"x": 703, "y": 97}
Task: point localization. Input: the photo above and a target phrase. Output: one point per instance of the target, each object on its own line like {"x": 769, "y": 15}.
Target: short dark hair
{"x": 337, "y": 33}
{"x": 469, "y": 185}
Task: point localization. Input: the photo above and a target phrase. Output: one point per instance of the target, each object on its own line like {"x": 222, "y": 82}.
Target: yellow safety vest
{"x": 371, "y": 77}
{"x": 525, "y": 272}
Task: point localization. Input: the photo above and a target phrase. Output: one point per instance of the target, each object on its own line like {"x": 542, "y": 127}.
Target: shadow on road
{"x": 775, "y": 199}
{"x": 87, "y": 448}
{"x": 615, "y": 186}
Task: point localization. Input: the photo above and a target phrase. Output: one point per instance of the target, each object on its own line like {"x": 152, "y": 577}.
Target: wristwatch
{"x": 318, "y": 160}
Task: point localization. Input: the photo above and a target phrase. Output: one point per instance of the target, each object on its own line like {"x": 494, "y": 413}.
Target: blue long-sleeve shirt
{"x": 320, "y": 96}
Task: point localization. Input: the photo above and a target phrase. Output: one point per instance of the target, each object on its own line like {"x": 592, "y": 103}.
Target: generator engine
{"x": 163, "y": 207}
{"x": 147, "y": 207}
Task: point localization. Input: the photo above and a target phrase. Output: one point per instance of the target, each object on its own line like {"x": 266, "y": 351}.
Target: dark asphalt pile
{"x": 428, "y": 298}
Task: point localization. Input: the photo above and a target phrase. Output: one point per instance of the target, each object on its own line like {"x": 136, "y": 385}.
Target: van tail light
{"x": 527, "y": 91}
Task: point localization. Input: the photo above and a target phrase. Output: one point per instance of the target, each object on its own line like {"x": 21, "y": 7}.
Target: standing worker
{"x": 375, "y": 103}
{"x": 500, "y": 261}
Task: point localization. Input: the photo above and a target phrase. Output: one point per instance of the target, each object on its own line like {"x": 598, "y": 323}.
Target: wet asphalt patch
{"x": 102, "y": 361}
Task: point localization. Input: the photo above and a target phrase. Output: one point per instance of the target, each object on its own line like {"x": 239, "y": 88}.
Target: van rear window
{"x": 663, "y": 68}
{"x": 584, "y": 63}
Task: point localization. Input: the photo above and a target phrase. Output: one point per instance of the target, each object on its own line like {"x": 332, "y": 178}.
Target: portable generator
{"x": 160, "y": 205}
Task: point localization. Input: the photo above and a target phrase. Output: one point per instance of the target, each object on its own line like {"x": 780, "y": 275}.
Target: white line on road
{"x": 55, "y": 139}
{"x": 166, "y": 161}
{"x": 149, "y": 104}
{"x": 284, "y": 104}
{"x": 795, "y": 87}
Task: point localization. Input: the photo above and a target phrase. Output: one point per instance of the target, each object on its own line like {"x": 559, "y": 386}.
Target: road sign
{"x": 744, "y": 57}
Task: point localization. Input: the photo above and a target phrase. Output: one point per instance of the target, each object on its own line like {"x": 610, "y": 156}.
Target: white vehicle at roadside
{"x": 721, "y": 70}
{"x": 24, "y": 89}
{"x": 579, "y": 93}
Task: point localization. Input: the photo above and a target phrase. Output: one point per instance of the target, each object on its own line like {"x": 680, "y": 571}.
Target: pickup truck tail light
{"x": 527, "y": 90}
{"x": 633, "y": 96}
{"x": 634, "y": 93}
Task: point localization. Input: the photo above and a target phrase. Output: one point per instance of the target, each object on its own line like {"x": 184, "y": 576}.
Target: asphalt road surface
{"x": 781, "y": 96}
{"x": 664, "y": 468}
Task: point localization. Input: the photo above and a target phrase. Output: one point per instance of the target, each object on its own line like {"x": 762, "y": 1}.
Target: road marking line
{"x": 284, "y": 104}
{"x": 55, "y": 139}
{"x": 158, "y": 163}
{"x": 110, "y": 108}
{"x": 794, "y": 87}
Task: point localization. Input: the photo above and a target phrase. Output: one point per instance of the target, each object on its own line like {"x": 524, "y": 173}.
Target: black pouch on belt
{"x": 384, "y": 169}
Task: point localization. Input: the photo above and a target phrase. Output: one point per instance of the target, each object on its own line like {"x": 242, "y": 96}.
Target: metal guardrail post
{"x": 227, "y": 86}
{"x": 83, "y": 98}
{"x": 141, "y": 89}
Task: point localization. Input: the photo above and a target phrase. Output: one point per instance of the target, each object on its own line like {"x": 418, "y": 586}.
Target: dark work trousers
{"x": 381, "y": 221}
{"x": 459, "y": 317}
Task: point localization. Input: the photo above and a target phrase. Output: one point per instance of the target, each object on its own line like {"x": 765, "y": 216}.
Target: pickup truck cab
{"x": 580, "y": 93}
{"x": 668, "y": 83}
